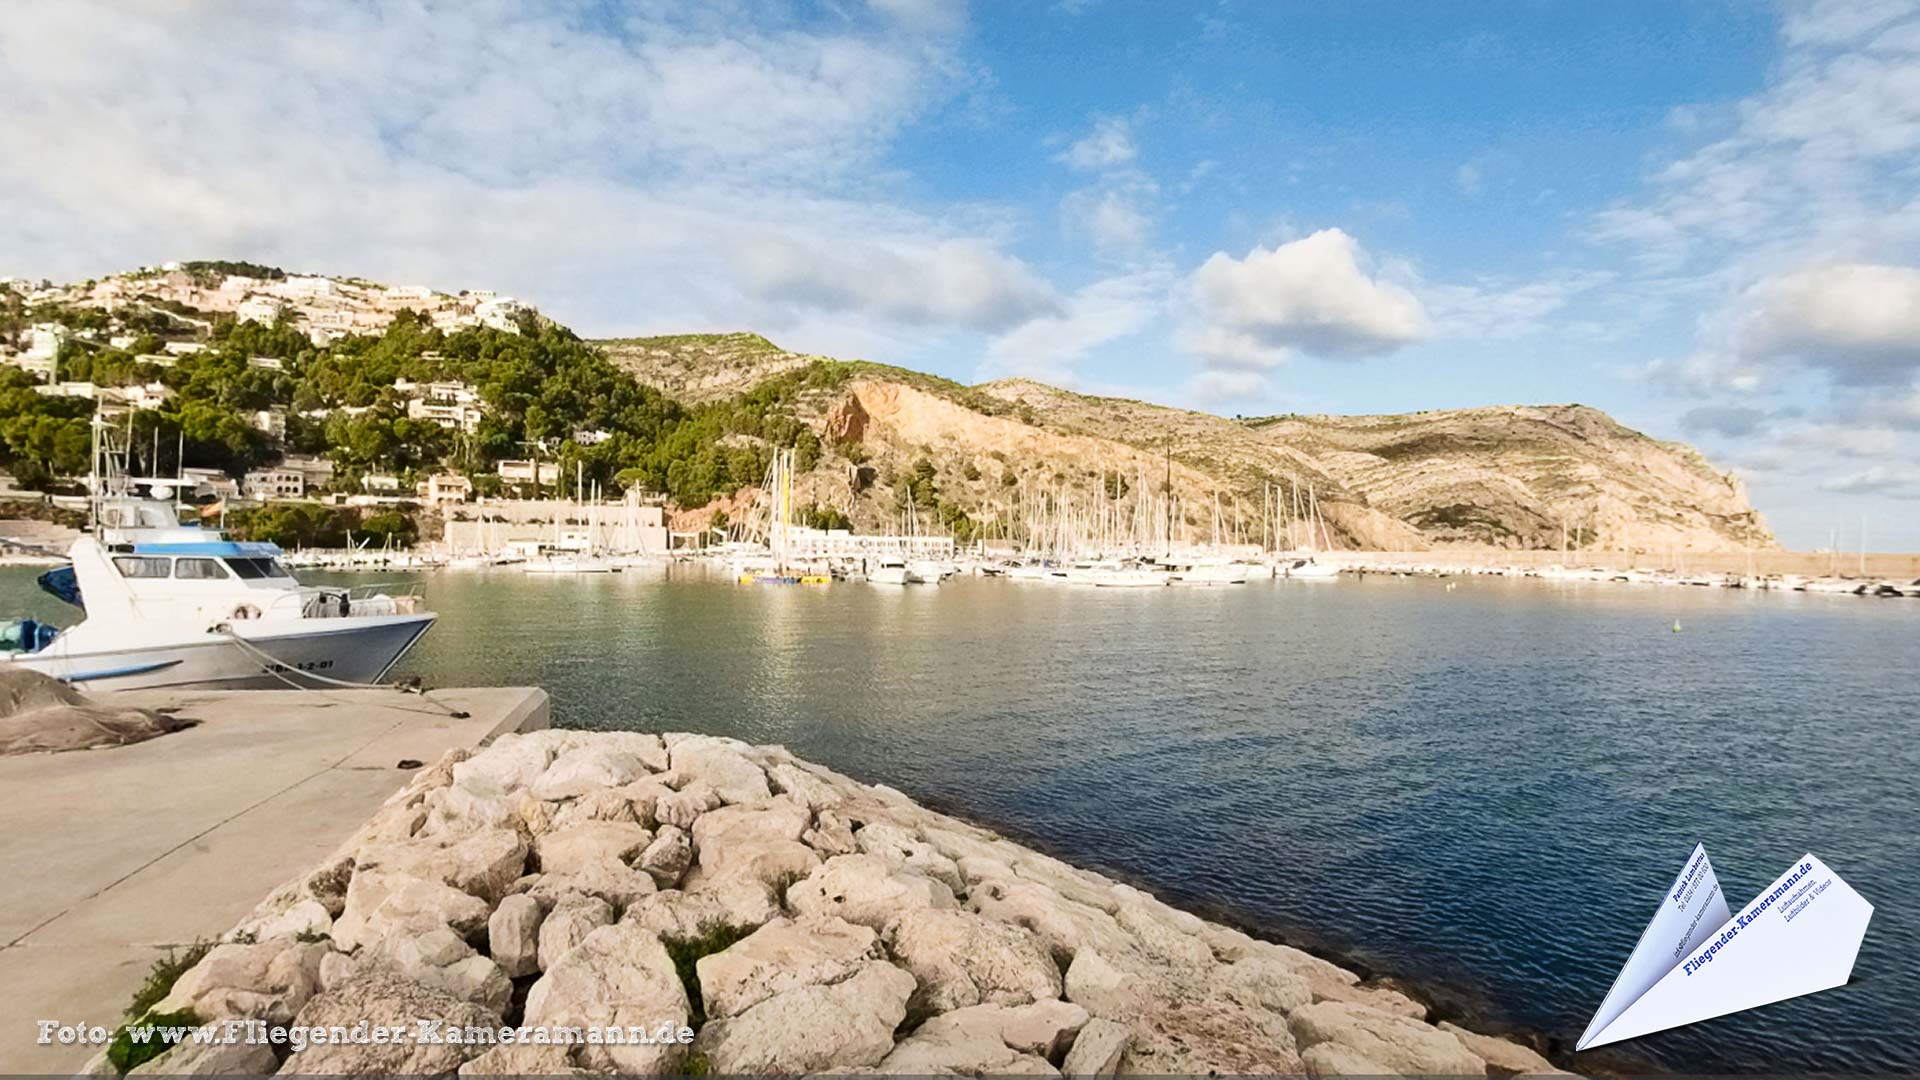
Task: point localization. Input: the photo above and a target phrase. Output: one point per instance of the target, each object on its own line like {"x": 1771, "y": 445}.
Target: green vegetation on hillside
{"x": 543, "y": 389}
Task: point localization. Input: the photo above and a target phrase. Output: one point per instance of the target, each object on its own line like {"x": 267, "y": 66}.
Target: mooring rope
{"x": 278, "y": 669}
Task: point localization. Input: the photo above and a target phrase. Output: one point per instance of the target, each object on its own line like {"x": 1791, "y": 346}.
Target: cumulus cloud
{"x": 960, "y": 282}
{"x": 1109, "y": 145}
{"x": 653, "y": 166}
{"x": 1050, "y": 346}
{"x": 1314, "y": 295}
{"x": 1220, "y": 389}
{"x": 1899, "y": 481}
{"x": 1731, "y": 420}
{"x": 1113, "y": 218}
{"x": 1859, "y": 322}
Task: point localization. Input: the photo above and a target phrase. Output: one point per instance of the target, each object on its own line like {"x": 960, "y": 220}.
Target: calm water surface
{"x": 1483, "y": 791}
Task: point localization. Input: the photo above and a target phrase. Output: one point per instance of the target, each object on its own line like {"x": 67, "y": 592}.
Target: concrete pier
{"x": 110, "y": 856}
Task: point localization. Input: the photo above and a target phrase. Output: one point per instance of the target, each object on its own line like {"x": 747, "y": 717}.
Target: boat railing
{"x": 325, "y": 602}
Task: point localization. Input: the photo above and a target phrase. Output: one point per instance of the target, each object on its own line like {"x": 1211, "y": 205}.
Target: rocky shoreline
{"x": 770, "y": 916}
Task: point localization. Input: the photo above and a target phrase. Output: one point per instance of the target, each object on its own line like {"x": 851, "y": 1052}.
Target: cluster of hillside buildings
{"x": 325, "y": 308}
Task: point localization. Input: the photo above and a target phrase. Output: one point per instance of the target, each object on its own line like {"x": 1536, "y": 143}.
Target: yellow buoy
{"x": 1676, "y": 626}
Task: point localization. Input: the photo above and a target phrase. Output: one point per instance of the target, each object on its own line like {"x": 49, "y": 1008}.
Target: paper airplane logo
{"x": 1696, "y": 961}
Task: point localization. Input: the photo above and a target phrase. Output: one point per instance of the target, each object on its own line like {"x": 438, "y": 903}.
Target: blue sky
{"x": 1702, "y": 217}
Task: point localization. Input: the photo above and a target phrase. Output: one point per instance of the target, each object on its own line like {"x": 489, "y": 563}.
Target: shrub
{"x": 711, "y": 938}
{"x": 126, "y": 1055}
{"x": 163, "y": 974}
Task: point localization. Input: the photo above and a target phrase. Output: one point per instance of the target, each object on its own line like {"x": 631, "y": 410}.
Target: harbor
{"x": 1346, "y": 719}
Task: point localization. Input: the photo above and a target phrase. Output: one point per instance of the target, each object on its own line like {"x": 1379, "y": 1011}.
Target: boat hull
{"x": 358, "y": 649}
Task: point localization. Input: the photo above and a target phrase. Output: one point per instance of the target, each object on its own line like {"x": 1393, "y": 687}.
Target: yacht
{"x": 893, "y": 572}
{"x": 1113, "y": 574}
{"x": 171, "y": 605}
{"x": 1308, "y": 570}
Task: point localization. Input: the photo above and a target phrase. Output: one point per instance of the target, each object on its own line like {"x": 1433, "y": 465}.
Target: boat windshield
{"x": 256, "y": 568}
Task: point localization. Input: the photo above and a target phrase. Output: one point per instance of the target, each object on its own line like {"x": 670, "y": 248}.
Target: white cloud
{"x": 1900, "y": 481}
{"x": 1222, "y": 349}
{"x": 1468, "y": 179}
{"x": 1220, "y": 389}
{"x": 1498, "y": 308}
{"x": 1051, "y": 346}
{"x": 1859, "y": 322}
{"x": 1313, "y": 294}
{"x": 628, "y": 168}
{"x": 1111, "y": 217}
{"x": 961, "y": 282}
{"x": 939, "y": 16}
{"x": 1109, "y": 145}
{"x": 1820, "y": 160}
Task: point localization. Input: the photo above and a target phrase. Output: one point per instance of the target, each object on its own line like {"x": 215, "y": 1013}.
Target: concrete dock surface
{"x": 109, "y": 857}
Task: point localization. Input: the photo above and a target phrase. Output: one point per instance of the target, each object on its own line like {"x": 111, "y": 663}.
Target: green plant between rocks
{"x": 125, "y": 1053}
{"x": 712, "y": 937}
{"x": 163, "y": 974}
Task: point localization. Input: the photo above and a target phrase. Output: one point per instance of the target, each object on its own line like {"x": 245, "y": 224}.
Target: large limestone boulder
{"x": 384, "y": 996}
{"x": 1401, "y": 1044}
{"x": 485, "y": 863}
{"x": 212, "y": 1059}
{"x": 1097, "y": 1049}
{"x": 1329, "y": 1061}
{"x": 666, "y": 859}
{"x": 783, "y": 955}
{"x": 513, "y": 935}
{"x": 512, "y": 762}
{"x": 584, "y": 770}
{"x": 619, "y": 975}
{"x": 717, "y": 762}
{"x": 576, "y": 847}
{"x": 813, "y": 1029}
{"x": 961, "y": 959}
{"x": 574, "y": 916}
{"x": 864, "y": 889}
{"x": 524, "y": 1060}
{"x": 1503, "y": 1056}
{"x": 683, "y": 807}
{"x": 1064, "y": 926}
{"x": 1103, "y": 989}
{"x": 967, "y": 1042}
{"x": 380, "y": 904}
{"x": 905, "y": 850}
{"x": 759, "y": 840}
{"x": 814, "y": 792}
{"x": 1162, "y": 940}
{"x": 1264, "y": 982}
{"x": 440, "y": 958}
{"x": 303, "y": 917}
{"x": 675, "y": 913}
{"x": 269, "y": 980}
{"x": 600, "y": 804}
{"x": 609, "y": 879}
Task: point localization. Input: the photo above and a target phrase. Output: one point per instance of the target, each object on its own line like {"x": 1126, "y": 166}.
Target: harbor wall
{"x": 1878, "y": 565}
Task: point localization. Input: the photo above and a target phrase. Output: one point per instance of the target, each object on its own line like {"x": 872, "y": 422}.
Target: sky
{"x": 1702, "y": 217}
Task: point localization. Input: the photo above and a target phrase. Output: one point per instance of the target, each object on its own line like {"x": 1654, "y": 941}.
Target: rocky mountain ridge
{"x": 1513, "y": 476}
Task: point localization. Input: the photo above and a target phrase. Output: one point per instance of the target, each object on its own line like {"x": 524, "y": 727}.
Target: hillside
{"x": 244, "y": 365}
{"x": 1505, "y": 476}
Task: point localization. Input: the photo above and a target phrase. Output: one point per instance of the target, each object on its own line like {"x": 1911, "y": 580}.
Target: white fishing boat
{"x": 171, "y": 605}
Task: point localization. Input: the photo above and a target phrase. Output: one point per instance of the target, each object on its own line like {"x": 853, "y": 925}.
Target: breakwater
{"x": 634, "y": 903}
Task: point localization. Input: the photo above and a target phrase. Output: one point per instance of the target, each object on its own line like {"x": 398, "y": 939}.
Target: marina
{"x": 1183, "y": 736}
